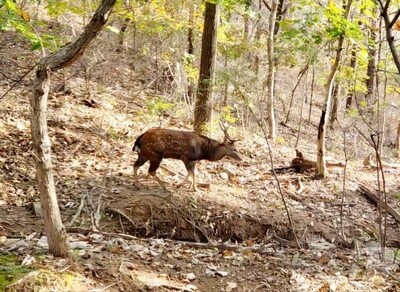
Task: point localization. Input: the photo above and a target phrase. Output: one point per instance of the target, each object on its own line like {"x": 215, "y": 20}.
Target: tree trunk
{"x": 321, "y": 163}
{"x": 398, "y": 139}
{"x": 122, "y": 33}
{"x": 372, "y": 60}
{"x": 335, "y": 105}
{"x": 353, "y": 63}
{"x": 388, "y": 28}
{"x": 300, "y": 76}
{"x": 55, "y": 231}
{"x": 311, "y": 95}
{"x": 190, "y": 89}
{"x": 203, "y": 108}
{"x": 280, "y": 14}
{"x": 271, "y": 74}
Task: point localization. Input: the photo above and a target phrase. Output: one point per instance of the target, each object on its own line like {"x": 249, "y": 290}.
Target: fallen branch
{"x": 78, "y": 212}
{"x": 199, "y": 245}
{"x": 301, "y": 164}
{"x": 121, "y": 214}
{"x": 371, "y": 195}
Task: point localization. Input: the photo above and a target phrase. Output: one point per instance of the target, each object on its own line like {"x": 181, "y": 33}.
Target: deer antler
{"x": 225, "y": 129}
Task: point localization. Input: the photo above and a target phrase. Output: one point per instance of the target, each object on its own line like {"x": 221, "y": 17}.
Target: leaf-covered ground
{"x": 232, "y": 235}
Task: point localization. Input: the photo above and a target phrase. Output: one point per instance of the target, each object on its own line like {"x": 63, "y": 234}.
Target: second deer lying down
{"x": 156, "y": 144}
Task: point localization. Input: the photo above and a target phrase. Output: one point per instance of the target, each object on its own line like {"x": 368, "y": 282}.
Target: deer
{"x": 158, "y": 143}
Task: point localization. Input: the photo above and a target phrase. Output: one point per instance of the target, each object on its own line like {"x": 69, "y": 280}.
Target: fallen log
{"x": 371, "y": 195}
{"x": 300, "y": 164}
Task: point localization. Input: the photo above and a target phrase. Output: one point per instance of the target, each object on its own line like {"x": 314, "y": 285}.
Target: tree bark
{"x": 398, "y": 139}
{"x": 280, "y": 14}
{"x": 271, "y": 74}
{"x": 388, "y": 28}
{"x": 335, "y": 98}
{"x": 203, "y": 108}
{"x": 372, "y": 60}
{"x": 190, "y": 89}
{"x": 321, "y": 150}
{"x": 54, "y": 228}
{"x": 353, "y": 63}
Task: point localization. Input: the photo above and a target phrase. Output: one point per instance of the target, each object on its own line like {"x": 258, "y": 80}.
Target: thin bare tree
{"x": 56, "y": 235}
{"x": 321, "y": 150}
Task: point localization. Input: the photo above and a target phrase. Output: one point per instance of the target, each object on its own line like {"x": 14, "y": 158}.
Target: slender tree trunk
{"x": 303, "y": 101}
{"x": 388, "y": 28}
{"x": 226, "y": 85}
{"x": 398, "y": 139}
{"x": 122, "y": 33}
{"x": 203, "y": 108}
{"x": 372, "y": 60}
{"x": 311, "y": 95}
{"x": 190, "y": 92}
{"x": 353, "y": 63}
{"x": 300, "y": 76}
{"x": 321, "y": 170}
{"x": 335, "y": 99}
{"x": 55, "y": 231}
{"x": 280, "y": 14}
{"x": 56, "y": 236}
{"x": 271, "y": 74}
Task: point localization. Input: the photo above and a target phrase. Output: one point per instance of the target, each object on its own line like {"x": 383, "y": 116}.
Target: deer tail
{"x": 138, "y": 144}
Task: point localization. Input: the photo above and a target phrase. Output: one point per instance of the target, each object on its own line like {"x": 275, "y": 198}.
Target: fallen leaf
{"x": 227, "y": 253}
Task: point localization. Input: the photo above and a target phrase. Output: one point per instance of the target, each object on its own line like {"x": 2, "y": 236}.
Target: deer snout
{"x": 235, "y": 155}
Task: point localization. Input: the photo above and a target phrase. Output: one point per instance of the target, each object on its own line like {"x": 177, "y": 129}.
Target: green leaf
{"x": 112, "y": 29}
{"x": 36, "y": 45}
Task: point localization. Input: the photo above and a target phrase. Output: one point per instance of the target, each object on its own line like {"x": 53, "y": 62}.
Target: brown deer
{"x": 156, "y": 144}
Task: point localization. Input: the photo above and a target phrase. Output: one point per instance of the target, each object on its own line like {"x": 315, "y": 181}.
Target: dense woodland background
{"x": 311, "y": 88}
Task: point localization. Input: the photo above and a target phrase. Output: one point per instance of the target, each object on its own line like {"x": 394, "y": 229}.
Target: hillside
{"x": 233, "y": 234}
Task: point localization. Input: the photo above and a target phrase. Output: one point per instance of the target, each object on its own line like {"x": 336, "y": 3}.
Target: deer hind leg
{"x": 190, "y": 167}
{"x": 154, "y": 164}
{"x": 139, "y": 162}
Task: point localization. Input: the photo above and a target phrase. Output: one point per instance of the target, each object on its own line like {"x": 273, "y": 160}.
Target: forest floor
{"x": 232, "y": 235}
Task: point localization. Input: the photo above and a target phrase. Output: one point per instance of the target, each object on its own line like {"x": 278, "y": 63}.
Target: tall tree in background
{"x": 55, "y": 232}
{"x": 203, "y": 108}
{"x": 190, "y": 51}
{"x": 278, "y": 9}
{"x": 372, "y": 57}
{"x": 351, "y": 84}
{"x": 341, "y": 20}
{"x": 270, "y": 81}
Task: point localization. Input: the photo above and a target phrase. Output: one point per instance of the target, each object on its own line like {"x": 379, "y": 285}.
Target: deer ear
{"x": 228, "y": 142}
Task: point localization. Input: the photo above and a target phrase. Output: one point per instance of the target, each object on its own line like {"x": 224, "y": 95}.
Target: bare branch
{"x": 394, "y": 19}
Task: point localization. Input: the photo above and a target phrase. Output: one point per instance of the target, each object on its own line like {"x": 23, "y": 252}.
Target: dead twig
{"x": 18, "y": 81}
{"x": 121, "y": 214}
{"x": 79, "y": 211}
